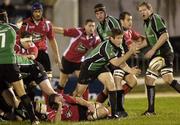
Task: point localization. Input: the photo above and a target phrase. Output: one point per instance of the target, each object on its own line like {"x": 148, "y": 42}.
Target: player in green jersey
{"x": 158, "y": 39}
{"x": 105, "y": 22}
{"x": 95, "y": 66}
{"x": 9, "y": 71}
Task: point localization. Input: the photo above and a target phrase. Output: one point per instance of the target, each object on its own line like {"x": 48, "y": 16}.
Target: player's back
{"x": 7, "y": 42}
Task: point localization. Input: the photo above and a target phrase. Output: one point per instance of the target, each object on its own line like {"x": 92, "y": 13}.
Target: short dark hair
{"x": 123, "y": 15}
{"x": 147, "y": 4}
{"x": 25, "y": 34}
{"x": 99, "y": 7}
{"x": 115, "y": 32}
{"x": 3, "y": 16}
{"x": 89, "y": 20}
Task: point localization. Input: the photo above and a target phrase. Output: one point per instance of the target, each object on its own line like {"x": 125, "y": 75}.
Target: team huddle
{"x": 96, "y": 51}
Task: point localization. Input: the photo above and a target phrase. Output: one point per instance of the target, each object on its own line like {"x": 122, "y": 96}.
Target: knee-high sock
{"x": 28, "y": 106}
{"x": 176, "y": 85}
{"x": 113, "y": 102}
{"x": 151, "y": 97}
{"x": 120, "y": 100}
{"x": 126, "y": 88}
{"x": 101, "y": 97}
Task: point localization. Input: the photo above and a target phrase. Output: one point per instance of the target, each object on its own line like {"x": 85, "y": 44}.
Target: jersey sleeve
{"x": 159, "y": 23}
{"x": 69, "y": 99}
{"x": 107, "y": 51}
{"x": 50, "y": 34}
{"x": 72, "y": 32}
{"x": 97, "y": 41}
{"x": 135, "y": 35}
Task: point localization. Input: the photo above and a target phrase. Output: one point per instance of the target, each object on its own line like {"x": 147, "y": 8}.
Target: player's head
{"x": 89, "y": 26}
{"x": 26, "y": 39}
{"x": 145, "y": 10}
{"x": 37, "y": 10}
{"x": 100, "y": 12}
{"x": 100, "y": 112}
{"x": 126, "y": 20}
{"x": 116, "y": 37}
{"x": 3, "y": 16}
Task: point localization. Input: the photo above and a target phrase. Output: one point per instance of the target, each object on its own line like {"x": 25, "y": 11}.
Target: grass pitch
{"x": 167, "y": 109}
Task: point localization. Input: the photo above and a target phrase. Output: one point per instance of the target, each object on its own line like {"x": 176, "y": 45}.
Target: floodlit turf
{"x": 167, "y": 109}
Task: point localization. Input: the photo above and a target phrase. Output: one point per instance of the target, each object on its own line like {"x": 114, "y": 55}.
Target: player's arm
{"x": 133, "y": 70}
{"x": 55, "y": 50}
{"x": 117, "y": 61}
{"x": 162, "y": 39}
{"x": 54, "y": 46}
{"x": 85, "y": 103}
{"x": 70, "y": 32}
{"x": 58, "y": 29}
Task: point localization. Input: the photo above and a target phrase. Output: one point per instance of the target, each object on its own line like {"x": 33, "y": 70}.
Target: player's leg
{"x": 67, "y": 68}
{"x": 107, "y": 80}
{"x": 168, "y": 78}
{"x": 131, "y": 82}
{"x": 150, "y": 86}
{"x": 14, "y": 77}
{"x": 102, "y": 96}
{"x": 167, "y": 73}
{"x": 118, "y": 76}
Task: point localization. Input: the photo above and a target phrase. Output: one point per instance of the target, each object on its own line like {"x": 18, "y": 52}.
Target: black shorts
{"x": 9, "y": 73}
{"x": 69, "y": 67}
{"x": 43, "y": 58}
{"x": 86, "y": 76}
{"x": 35, "y": 73}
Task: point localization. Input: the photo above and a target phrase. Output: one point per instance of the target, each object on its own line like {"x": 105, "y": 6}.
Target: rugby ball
{"x": 156, "y": 63}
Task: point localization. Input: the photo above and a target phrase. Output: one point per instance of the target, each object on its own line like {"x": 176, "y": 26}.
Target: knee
{"x": 168, "y": 79}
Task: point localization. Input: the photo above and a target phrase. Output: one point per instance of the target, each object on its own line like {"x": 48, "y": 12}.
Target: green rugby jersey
{"x": 21, "y": 61}
{"x": 7, "y": 42}
{"x": 104, "y": 29}
{"x": 101, "y": 55}
{"x": 154, "y": 28}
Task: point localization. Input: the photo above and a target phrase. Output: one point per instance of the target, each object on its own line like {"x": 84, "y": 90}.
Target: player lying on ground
{"x": 78, "y": 109}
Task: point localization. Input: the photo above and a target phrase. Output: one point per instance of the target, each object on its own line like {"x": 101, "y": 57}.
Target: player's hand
{"x": 135, "y": 71}
{"x": 133, "y": 48}
{"x": 149, "y": 54}
{"x": 59, "y": 99}
{"x": 91, "y": 107}
{"x": 31, "y": 57}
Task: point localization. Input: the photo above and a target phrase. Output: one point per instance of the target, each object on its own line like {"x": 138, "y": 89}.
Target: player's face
{"x": 3, "y": 17}
{"x": 100, "y": 15}
{"x": 117, "y": 41}
{"x": 37, "y": 14}
{"x": 144, "y": 12}
{"x": 90, "y": 28}
{"x": 127, "y": 22}
{"x": 27, "y": 44}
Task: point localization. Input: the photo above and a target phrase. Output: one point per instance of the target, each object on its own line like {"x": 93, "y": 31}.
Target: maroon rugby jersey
{"x": 80, "y": 43}
{"x": 130, "y": 35}
{"x": 22, "y": 51}
{"x": 41, "y": 31}
{"x": 70, "y": 111}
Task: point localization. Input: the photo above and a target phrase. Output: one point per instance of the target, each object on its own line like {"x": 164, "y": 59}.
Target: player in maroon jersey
{"x": 41, "y": 29}
{"x": 78, "y": 109}
{"x": 25, "y": 47}
{"x": 82, "y": 40}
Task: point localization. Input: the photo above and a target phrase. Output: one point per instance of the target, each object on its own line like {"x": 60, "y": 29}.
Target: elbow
{"x": 166, "y": 36}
